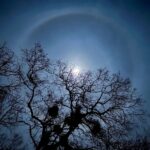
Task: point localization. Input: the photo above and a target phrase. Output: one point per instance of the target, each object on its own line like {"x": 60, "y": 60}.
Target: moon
{"x": 76, "y": 71}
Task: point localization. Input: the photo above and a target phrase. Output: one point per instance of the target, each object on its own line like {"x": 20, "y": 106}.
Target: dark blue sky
{"x": 88, "y": 33}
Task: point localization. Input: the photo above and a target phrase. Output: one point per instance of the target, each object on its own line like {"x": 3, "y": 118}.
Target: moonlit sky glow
{"x": 90, "y": 34}
{"x": 76, "y": 71}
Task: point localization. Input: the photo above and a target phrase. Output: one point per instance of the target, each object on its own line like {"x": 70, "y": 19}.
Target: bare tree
{"x": 9, "y": 83}
{"x": 91, "y": 110}
{"x": 15, "y": 142}
{"x": 139, "y": 143}
{"x": 96, "y": 107}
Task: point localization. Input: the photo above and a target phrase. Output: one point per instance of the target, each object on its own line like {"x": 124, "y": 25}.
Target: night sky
{"x": 88, "y": 33}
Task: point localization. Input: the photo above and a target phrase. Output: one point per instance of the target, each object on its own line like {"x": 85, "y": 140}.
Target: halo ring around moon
{"x": 96, "y": 16}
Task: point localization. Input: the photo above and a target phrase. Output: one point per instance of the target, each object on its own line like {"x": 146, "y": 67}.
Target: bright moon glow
{"x": 76, "y": 71}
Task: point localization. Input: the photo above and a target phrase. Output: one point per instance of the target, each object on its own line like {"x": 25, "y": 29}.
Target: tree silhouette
{"x": 91, "y": 110}
{"x": 9, "y": 84}
{"x": 15, "y": 142}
